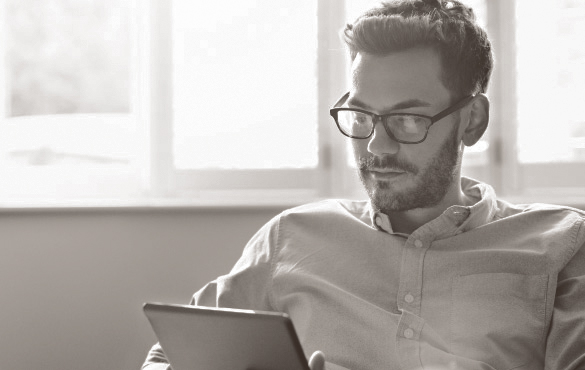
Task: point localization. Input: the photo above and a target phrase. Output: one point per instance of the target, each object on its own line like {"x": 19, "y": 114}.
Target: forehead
{"x": 385, "y": 80}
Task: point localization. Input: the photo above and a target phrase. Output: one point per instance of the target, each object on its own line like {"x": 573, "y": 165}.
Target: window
{"x": 262, "y": 57}
{"x": 550, "y": 96}
{"x": 245, "y": 94}
{"x": 133, "y": 100}
{"x": 68, "y": 112}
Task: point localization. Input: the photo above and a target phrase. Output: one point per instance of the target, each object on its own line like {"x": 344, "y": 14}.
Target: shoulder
{"x": 329, "y": 213}
{"x": 543, "y": 216}
{"x": 312, "y": 214}
{"x": 547, "y": 221}
{"x": 507, "y": 209}
{"x": 329, "y": 208}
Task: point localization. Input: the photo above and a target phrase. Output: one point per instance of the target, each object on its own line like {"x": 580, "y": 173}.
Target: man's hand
{"x": 317, "y": 361}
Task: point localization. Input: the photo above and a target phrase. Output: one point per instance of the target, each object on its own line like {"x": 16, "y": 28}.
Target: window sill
{"x": 265, "y": 199}
{"x": 247, "y": 199}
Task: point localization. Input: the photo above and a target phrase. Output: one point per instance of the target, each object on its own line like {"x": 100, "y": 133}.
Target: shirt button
{"x": 418, "y": 243}
{"x": 409, "y": 298}
{"x": 408, "y": 333}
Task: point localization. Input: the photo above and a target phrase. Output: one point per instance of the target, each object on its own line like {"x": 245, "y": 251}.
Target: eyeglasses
{"x": 404, "y": 128}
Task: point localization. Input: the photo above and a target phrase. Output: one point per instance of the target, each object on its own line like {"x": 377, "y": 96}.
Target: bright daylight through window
{"x": 245, "y": 84}
{"x": 551, "y": 93}
{"x": 67, "y": 124}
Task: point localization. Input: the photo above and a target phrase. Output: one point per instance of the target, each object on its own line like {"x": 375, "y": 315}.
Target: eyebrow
{"x": 410, "y": 103}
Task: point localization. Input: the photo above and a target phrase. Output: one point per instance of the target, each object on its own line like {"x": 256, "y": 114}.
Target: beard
{"x": 431, "y": 183}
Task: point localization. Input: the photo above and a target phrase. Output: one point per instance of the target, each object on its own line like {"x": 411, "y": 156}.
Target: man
{"x": 433, "y": 271}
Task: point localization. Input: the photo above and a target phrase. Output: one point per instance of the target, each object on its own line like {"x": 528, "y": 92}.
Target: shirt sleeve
{"x": 247, "y": 286}
{"x": 566, "y": 338}
{"x": 156, "y": 359}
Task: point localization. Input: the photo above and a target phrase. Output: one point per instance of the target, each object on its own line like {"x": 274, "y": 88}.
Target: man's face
{"x": 400, "y": 177}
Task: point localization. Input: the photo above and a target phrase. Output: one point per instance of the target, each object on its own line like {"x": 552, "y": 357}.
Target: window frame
{"x": 3, "y": 74}
{"x": 556, "y": 182}
{"x": 322, "y": 181}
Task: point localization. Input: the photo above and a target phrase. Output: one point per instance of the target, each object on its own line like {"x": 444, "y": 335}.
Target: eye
{"x": 407, "y": 123}
{"x": 360, "y": 118}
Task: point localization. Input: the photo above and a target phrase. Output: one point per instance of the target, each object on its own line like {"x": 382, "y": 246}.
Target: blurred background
{"x": 134, "y": 133}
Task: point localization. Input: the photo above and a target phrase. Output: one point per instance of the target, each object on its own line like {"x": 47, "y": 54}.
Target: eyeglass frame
{"x": 382, "y": 117}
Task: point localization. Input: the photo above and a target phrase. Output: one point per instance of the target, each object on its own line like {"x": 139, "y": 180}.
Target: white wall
{"x": 72, "y": 282}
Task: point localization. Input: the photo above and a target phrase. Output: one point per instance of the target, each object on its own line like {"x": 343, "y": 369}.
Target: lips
{"x": 386, "y": 174}
{"x": 387, "y": 170}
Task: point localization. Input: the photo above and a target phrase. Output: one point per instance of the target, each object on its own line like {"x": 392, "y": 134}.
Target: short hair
{"x": 447, "y": 26}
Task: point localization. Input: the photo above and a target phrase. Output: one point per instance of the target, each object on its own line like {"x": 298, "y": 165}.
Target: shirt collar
{"x": 486, "y": 207}
{"x": 464, "y": 217}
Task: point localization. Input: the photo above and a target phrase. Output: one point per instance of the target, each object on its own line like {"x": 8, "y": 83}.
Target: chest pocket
{"x": 499, "y": 318}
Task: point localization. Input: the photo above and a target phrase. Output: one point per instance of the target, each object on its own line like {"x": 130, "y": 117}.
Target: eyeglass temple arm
{"x": 460, "y": 104}
{"x": 342, "y": 99}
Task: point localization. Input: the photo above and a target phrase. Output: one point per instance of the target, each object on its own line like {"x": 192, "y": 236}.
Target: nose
{"x": 380, "y": 143}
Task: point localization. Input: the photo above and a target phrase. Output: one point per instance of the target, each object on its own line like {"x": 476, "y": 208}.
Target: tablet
{"x": 208, "y": 338}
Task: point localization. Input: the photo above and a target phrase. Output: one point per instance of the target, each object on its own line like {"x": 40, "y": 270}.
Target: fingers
{"x": 317, "y": 361}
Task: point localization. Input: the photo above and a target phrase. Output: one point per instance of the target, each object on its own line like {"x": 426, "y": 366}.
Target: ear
{"x": 479, "y": 117}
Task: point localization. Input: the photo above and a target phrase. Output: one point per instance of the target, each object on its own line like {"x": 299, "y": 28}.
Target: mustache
{"x": 373, "y": 163}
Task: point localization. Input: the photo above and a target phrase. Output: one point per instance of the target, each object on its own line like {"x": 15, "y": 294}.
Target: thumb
{"x": 317, "y": 361}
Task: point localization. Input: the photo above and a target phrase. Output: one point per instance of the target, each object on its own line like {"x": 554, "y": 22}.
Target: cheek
{"x": 421, "y": 155}
{"x": 440, "y": 133}
{"x": 359, "y": 148}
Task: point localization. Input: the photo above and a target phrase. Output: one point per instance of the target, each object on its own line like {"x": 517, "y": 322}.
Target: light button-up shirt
{"x": 490, "y": 286}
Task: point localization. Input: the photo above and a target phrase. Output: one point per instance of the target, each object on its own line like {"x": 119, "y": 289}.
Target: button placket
{"x": 411, "y": 274}
{"x": 407, "y": 341}
{"x": 459, "y": 215}
{"x": 410, "y": 325}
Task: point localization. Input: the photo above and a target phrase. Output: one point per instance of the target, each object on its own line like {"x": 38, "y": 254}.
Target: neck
{"x": 408, "y": 221}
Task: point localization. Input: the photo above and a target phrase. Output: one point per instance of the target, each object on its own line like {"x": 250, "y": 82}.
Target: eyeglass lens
{"x": 403, "y": 127}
